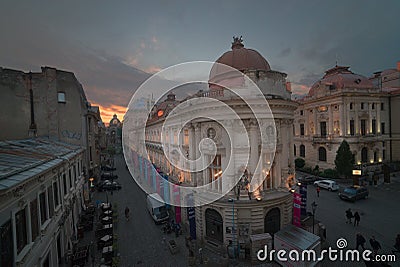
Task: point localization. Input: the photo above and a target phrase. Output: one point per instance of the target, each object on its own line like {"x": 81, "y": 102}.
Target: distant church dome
{"x": 340, "y": 77}
{"x": 115, "y": 121}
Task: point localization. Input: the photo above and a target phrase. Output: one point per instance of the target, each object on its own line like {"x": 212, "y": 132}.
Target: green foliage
{"x": 329, "y": 173}
{"x": 344, "y": 160}
{"x": 307, "y": 169}
{"x": 316, "y": 170}
{"x": 299, "y": 163}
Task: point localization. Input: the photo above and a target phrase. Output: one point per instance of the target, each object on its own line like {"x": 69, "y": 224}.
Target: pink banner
{"x": 297, "y": 209}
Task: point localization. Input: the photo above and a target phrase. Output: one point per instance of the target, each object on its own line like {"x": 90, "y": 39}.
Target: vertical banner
{"x": 166, "y": 189}
{"x": 177, "y": 199}
{"x": 303, "y": 193}
{"x": 296, "y": 209}
{"x": 191, "y": 214}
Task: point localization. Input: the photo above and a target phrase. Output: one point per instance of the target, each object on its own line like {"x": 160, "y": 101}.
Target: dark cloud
{"x": 285, "y": 52}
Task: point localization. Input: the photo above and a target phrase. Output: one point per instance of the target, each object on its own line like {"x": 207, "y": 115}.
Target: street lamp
{"x": 314, "y": 207}
{"x": 233, "y": 227}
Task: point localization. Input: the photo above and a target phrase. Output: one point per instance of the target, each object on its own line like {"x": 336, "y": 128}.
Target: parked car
{"x": 108, "y": 175}
{"x": 327, "y": 184}
{"x": 108, "y": 168}
{"x": 307, "y": 179}
{"x": 353, "y": 193}
{"x": 108, "y": 185}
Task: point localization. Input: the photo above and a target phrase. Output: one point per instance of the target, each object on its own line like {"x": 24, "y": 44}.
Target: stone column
{"x": 343, "y": 120}
{"x": 356, "y": 122}
{"x": 330, "y": 127}
{"x": 197, "y": 134}
{"x": 378, "y": 118}
{"x": 307, "y": 122}
{"x": 253, "y": 146}
{"x": 291, "y": 144}
{"x": 369, "y": 118}
{"x": 192, "y": 153}
{"x": 316, "y": 126}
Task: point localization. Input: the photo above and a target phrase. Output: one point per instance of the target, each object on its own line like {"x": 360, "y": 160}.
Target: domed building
{"x": 342, "y": 105}
{"x": 244, "y": 212}
{"x": 114, "y": 133}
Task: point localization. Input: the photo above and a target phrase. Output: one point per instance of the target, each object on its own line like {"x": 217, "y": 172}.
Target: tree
{"x": 344, "y": 160}
{"x": 299, "y": 163}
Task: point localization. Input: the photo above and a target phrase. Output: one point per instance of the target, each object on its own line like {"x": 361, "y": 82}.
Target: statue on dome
{"x": 237, "y": 42}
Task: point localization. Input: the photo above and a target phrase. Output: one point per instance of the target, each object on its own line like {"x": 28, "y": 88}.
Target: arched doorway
{"x": 364, "y": 155}
{"x": 214, "y": 229}
{"x": 272, "y": 221}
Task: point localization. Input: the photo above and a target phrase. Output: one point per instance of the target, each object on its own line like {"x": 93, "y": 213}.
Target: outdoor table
{"x": 107, "y": 226}
{"x": 106, "y": 238}
{"x": 107, "y": 249}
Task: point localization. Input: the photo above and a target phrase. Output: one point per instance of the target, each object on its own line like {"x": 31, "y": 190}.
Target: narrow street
{"x": 140, "y": 241}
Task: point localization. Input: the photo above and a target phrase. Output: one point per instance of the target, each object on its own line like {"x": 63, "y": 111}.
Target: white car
{"x": 327, "y": 184}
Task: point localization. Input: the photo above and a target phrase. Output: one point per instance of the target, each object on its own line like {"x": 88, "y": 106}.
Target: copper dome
{"x": 240, "y": 58}
{"x": 340, "y": 77}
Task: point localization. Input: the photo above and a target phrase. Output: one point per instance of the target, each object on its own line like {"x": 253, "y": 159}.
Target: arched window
{"x": 272, "y": 221}
{"x": 214, "y": 229}
{"x": 302, "y": 151}
{"x": 364, "y": 155}
{"x": 322, "y": 154}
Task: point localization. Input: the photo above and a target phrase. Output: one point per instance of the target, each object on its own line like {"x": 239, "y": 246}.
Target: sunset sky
{"x": 112, "y": 47}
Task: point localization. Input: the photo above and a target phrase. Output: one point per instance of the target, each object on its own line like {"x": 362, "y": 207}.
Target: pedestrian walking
{"x": 318, "y": 190}
{"x": 357, "y": 218}
{"x": 360, "y": 241}
{"x": 349, "y": 215}
{"x": 375, "y": 245}
{"x": 127, "y": 213}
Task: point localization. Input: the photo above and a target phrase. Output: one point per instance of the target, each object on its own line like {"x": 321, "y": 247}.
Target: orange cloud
{"x": 300, "y": 89}
{"x": 108, "y": 111}
{"x": 152, "y": 69}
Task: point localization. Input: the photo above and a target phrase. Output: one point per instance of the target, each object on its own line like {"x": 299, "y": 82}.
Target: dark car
{"x": 307, "y": 179}
{"x": 108, "y": 168}
{"x": 108, "y": 175}
{"x": 107, "y": 185}
{"x": 353, "y": 193}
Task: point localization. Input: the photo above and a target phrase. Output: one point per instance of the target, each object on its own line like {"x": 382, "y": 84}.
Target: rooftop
{"x": 23, "y": 159}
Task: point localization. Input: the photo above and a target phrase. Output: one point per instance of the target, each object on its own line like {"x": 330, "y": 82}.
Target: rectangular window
{"x": 50, "y": 201}
{"x": 382, "y": 128}
{"x": 70, "y": 178}
{"x": 65, "y": 184}
{"x": 351, "y": 106}
{"x": 56, "y": 196}
{"x": 34, "y": 219}
{"x": 373, "y": 105}
{"x": 6, "y": 245}
{"x": 352, "y": 131}
{"x": 186, "y": 137}
{"x": 21, "y": 232}
{"x": 362, "y": 105}
{"x": 61, "y": 97}
{"x": 373, "y": 126}
{"x": 90, "y": 153}
{"x": 302, "y": 129}
{"x": 375, "y": 156}
{"x": 323, "y": 128}
{"x": 382, "y": 106}
{"x": 301, "y": 113}
{"x": 215, "y": 170}
{"x": 90, "y": 125}
{"x": 43, "y": 208}
{"x": 363, "y": 127}
{"x": 383, "y": 154}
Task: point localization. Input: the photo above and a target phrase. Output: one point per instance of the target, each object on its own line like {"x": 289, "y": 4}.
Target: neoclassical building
{"x": 342, "y": 105}
{"x": 242, "y": 213}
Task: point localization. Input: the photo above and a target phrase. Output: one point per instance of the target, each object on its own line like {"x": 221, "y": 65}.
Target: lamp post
{"x": 233, "y": 227}
{"x": 314, "y": 207}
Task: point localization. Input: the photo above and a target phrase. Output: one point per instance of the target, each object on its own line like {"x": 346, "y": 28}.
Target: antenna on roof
{"x": 336, "y": 59}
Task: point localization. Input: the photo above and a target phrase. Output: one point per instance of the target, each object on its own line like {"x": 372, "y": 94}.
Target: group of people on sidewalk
{"x": 350, "y": 215}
